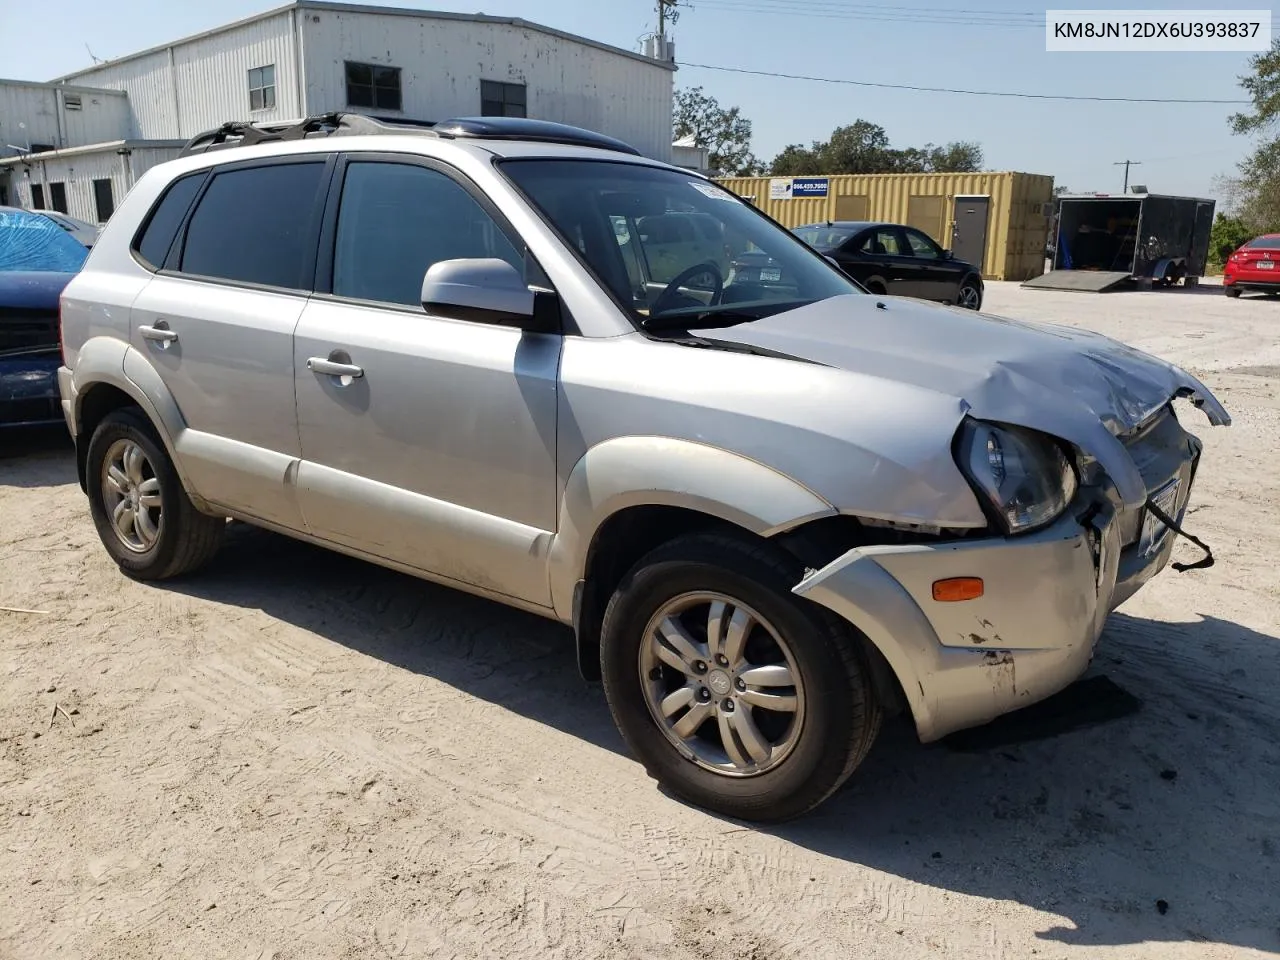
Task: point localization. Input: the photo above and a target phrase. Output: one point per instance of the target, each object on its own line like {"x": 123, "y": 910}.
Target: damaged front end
{"x": 1029, "y": 627}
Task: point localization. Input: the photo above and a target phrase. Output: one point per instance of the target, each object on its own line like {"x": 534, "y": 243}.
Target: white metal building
{"x": 313, "y": 57}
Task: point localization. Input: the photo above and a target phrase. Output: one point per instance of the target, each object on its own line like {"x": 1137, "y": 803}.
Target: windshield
{"x": 29, "y": 241}
{"x": 674, "y": 249}
{"x": 822, "y": 237}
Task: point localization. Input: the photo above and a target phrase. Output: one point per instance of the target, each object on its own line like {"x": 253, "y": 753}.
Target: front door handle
{"x": 332, "y": 369}
{"x": 160, "y": 332}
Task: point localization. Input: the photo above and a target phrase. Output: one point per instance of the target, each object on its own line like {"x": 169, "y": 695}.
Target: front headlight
{"x": 1023, "y": 474}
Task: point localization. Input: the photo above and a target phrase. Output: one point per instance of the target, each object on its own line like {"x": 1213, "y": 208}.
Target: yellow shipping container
{"x": 999, "y": 219}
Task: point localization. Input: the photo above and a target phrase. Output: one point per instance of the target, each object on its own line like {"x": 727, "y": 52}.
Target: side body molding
{"x": 647, "y": 471}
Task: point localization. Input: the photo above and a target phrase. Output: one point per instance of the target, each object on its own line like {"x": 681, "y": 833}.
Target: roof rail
{"x": 245, "y": 134}
{"x": 238, "y": 133}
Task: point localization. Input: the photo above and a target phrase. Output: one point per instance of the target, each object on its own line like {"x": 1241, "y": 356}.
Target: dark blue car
{"x": 37, "y": 260}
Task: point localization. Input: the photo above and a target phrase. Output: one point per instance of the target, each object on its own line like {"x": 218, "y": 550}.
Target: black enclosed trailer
{"x": 1101, "y": 240}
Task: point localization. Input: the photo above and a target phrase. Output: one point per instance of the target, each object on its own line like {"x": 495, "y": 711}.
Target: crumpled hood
{"x": 1080, "y": 386}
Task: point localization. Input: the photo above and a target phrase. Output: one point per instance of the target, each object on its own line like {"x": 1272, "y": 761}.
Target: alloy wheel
{"x": 721, "y": 684}
{"x": 131, "y": 495}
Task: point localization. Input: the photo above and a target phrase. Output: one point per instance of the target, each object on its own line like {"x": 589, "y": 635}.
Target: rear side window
{"x": 253, "y": 225}
{"x": 166, "y": 218}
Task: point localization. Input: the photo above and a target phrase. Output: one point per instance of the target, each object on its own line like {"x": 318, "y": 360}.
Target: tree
{"x": 863, "y": 147}
{"x": 1061, "y": 191}
{"x": 726, "y": 134}
{"x": 1255, "y": 193}
{"x": 1226, "y": 237}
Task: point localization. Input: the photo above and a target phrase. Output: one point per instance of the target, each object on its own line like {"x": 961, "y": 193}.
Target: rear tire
{"x": 807, "y": 753}
{"x": 1232, "y": 291}
{"x": 143, "y": 515}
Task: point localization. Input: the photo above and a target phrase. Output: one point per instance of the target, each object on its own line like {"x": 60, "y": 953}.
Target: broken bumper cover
{"x": 960, "y": 664}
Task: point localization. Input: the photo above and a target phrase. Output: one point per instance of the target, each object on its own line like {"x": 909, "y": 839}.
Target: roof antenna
{"x": 92, "y": 56}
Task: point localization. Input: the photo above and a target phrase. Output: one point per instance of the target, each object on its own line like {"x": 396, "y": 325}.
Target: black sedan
{"x": 892, "y": 259}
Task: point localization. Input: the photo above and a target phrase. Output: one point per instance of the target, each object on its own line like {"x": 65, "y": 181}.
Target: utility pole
{"x": 1126, "y": 164}
{"x": 667, "y": 11}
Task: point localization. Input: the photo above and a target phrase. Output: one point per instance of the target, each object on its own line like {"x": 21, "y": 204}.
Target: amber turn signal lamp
{"x": 957, "y": 588}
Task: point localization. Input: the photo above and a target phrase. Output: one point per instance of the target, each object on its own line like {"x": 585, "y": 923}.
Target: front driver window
{"x": 922, "y": 246}
{"x": 396, "y": 220}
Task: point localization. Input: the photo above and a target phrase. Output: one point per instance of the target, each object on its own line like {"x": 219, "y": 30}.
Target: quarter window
{"x": 502, "y": 99}
{"x": 166, "y": 218}
{"x": 371, "y": 85}
{"x": 254, "y": 226}
{"x": 396, "y": 220}
{"x": 262, "y": 87}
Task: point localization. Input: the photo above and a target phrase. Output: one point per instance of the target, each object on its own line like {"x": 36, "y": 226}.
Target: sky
{"x": 935, "y": 43}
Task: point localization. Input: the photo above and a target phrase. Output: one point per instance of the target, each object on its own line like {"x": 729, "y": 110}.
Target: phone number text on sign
{"x": 1157, "y": 31}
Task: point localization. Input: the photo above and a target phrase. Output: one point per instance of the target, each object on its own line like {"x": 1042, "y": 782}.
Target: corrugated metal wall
{"x": 1017, "y": 223}
{"x": 79, "y": 171}
{"x": 103, "y": 115}
{"x": 209, "y": 80}
{"x": 213, "y": 74}
{"x": 151, "y": 95}
{"x": 443, "y": 61}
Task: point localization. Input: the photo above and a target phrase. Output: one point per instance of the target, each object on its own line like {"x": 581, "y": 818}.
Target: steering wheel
{"x": 684, "y": 276}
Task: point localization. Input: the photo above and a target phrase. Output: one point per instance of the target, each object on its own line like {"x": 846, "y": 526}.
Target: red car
{"x": 1255, "y": 266}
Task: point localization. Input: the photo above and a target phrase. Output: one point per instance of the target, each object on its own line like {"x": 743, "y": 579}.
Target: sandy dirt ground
{"x": 298, "y": 755}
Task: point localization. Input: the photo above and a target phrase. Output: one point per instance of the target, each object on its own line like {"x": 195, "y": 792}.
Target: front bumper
{"x": 1046, "y": 598}
{"x": 29, "y": 392}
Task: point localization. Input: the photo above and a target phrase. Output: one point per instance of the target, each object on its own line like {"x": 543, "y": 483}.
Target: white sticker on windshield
{"x": 707, "y": 190}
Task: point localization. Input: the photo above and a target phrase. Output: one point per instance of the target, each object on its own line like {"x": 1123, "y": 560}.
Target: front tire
{"x": 143, "y": 515}
{"x": 736, "y": 695}
{"x": 970, "y": 295}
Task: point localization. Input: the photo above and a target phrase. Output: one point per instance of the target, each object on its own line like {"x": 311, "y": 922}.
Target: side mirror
{"x": 948, "y": 255}
{"x": 488, "y": 291}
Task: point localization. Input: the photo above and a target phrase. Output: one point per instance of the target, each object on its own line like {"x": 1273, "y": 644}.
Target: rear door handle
{"x": 161, "y": 334}
{"x": 332, "y": 369}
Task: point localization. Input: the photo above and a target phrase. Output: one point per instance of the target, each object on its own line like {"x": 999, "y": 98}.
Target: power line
{"x": 895, "y": 8}
{"x": 971, "y": 93}
{"x": 954, "y": 19}
{"x": 912, "y": 15}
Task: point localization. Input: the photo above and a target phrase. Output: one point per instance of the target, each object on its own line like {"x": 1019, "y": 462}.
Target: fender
{"x": 110, "y": 361}
{"x": 663, "y": 471}
{"x": 1161, "y": 269}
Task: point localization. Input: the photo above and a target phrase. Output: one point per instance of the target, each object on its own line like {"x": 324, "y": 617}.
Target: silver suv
{"x": 771, "y": 512}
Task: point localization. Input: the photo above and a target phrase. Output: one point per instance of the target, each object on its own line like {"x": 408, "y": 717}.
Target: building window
{"x": 369, "y": 85}
{"x": 103, "y": 200}
{"x": 262, "y": 87}
{"x": 58, "y": 196}
{"x": 502, "y": 99}
{"x": 37, "y": 197}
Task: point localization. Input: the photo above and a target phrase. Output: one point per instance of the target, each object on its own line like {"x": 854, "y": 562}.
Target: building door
{"x": 851, "y": 207}
{"x": 103, "y": 201}
{"x": 969, "y": 234}
{"x": 58, "y": 196}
